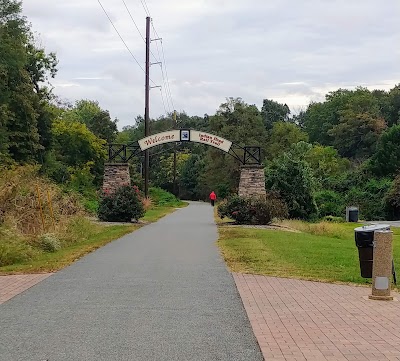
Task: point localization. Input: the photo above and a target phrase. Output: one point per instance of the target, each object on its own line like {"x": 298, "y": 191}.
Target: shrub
{"x": 236, "y": 208}
{"x": 253, "y": 210}
{"x": 370, "y": 198}
{"x": 49, "y": 243}
{"x": 265, "y": 210}
{"x": 14, "y": 248}
{"x": 333, "y": 219}
{"x": 121, "y": 206}
{"x": 160, "y": 197}
{"x": 329, "y": 203}
{"x": 392, "y": 200}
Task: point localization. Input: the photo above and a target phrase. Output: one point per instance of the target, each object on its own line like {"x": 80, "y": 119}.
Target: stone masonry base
{"x": 115, "y": 176}
{"x": 252, "y": 181}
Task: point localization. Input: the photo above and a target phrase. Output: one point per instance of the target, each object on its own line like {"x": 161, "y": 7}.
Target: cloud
{"x": 287, "y": 50}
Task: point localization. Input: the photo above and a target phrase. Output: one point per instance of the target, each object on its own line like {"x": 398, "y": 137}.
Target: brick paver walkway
{"x": 10, "y": 286}
{"x": 302, "y": 320}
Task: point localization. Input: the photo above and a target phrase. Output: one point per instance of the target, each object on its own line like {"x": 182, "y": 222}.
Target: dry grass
{"x": 147, "y": 203}
{"x": 29, "y": 202}
{"x": 326, "y": 229}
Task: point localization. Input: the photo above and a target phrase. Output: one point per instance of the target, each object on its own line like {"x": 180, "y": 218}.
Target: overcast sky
{"x": 292, "y": 51}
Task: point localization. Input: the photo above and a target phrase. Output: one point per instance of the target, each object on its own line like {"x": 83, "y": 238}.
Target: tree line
{"x": 342, "y": 151}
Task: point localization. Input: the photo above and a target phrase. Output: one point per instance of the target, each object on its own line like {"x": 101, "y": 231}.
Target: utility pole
{"x": 147, "y": 109}
{"x": 175, "y": 190}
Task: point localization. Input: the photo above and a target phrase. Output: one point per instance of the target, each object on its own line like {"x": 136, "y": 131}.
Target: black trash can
{"x": 352, "y": 214}
{"x": 364, "y": 237}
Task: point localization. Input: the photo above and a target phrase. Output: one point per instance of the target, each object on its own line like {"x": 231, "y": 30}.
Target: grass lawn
{"x": 51, "y": 262}
{"x": 90, "y": 237}
{"x": 322, "y": 252}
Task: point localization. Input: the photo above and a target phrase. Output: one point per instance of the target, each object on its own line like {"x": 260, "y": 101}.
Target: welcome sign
{"x": 182, "y": 135}
{"x": 210, "y": 139}
{"x": 158, "y": 139}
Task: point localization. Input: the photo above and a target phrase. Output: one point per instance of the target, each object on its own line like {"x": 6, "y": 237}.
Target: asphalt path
{"x": 160, "y": 293}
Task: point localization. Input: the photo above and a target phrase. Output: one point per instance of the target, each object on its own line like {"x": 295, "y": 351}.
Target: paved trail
{"x": 161, "y": 293}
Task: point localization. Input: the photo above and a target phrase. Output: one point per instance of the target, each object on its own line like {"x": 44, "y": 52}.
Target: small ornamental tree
{"x": 123, "y": 205}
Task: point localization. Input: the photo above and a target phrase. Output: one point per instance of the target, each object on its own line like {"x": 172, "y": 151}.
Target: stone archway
{"x": 252, "y": 178}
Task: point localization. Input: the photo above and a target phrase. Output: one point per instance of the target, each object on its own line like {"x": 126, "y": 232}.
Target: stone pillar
{"x": 382, "y": 266}
{"x": 115, "y": 176}
{"x": 252, "y": 181}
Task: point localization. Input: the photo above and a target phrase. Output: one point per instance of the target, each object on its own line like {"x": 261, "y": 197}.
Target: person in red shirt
{"x": 213, "y": 198}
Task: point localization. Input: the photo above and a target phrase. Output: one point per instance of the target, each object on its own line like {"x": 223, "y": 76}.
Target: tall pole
{"x": 175, "y": 190}
{"x": 147, "y": 109}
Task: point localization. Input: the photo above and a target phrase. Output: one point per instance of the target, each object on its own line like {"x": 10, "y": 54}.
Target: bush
{"x": 329, "y": 203}
{"x": 160, "y": 197}
{"x": 14, "y": 248}
{"x": 253, "y": 210}
{"x": 236, "y": 208}
{"x": 121, "y": 206}
{"x": 370, "y": 198}
{"x": 333, "y": 219}
{"x": 49, "y": 243}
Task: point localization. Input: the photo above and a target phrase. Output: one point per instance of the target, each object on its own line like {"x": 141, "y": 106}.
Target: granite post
{"x": 252, "y": 181}
{"x": 382, "y": 266}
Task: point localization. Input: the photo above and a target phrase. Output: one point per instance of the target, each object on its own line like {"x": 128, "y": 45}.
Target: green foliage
{"x": 326, "y": 163}
{"x": 370, "y": 198}
{"x": 329, "y": 203}
{"x": 96, "y": 119}
{"x": 190, "y": 178}
{"x": 333, "y": 219}
{"x": 273, "y": 112}
{"x": 13, "y": 249}
{"x": 386, "y": 160}
{"x": 253, "y": 210}
{"x": 392, "y": 200}
{"x": 291, "y": 176}
{"x": 282, "y": 137}
{"x": 121, "y": 206}
{"x": 160, "y": 197}
{"x": 49, "y": 243}
{"x": 164, "y": 173}
{"x": 236, "y": 208}
{"x": 350, "y": 120}
{"x": 91, "y": 205}
{"x": 241, "y": 123}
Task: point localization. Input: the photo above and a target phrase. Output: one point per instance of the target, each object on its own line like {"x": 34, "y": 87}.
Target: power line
{"x": 162, "y": 98}
{"x": 168, "y": 90}
{"x": 137, "y": 28}
{"x": 146, "y": 9}
{"x": 163, "y": 76}
{"x": 127, "y": 9}
{"x": 167, "y": 87}
{"x": 122, "y": 39}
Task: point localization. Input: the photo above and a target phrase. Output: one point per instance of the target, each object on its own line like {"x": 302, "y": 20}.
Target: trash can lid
{"x": 372, "y": 228}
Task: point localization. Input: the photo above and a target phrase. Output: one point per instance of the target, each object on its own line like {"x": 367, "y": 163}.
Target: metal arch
{"x": 122, "y": 153}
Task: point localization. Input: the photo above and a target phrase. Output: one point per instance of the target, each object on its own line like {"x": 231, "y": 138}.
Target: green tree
{"x": 347, "y": 110}
{"x": 190, "y": 178}
{"x": 96, "y": 119}
{"x": 283, "y": 135}
{"x": 22, "y": 68}
{"x": 326, "y": 163}
{"x": 240, "y": 123}
{"x": 291, "y": 176}
{"x": 76, "y": 146}
{"x": 386, "y": 160}
{"x": 273, "y": 112}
